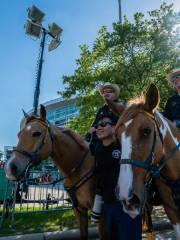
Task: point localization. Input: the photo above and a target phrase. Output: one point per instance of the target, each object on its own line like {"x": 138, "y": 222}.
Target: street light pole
{"x": 34, "y": 28}
{"x": 120, "y": 15}
{"x": 38, "y": 79}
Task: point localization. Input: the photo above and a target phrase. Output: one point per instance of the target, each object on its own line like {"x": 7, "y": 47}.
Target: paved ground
{"x": 160, "y": 216}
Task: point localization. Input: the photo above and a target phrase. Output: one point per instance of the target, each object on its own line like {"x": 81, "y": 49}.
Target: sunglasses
{"x": 108, "y": 91}
{"x": 175, "y": 77}
{"x": 103, "y": 124}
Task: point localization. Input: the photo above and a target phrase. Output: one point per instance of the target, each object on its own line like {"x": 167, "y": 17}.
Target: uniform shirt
{"x": 107, "y": 170}
{"x": 172, "y": 108}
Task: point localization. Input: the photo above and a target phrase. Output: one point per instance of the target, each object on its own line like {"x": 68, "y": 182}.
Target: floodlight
{"x": 54, "y": 44}
{"x": 33, "y": 29}
{"x": 55, "y": 30}
{"x": 35, "y": 14}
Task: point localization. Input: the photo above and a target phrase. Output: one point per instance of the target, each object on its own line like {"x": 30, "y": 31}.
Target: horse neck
{"x": 171, "y": 138}
{"x": 66, "y": 152}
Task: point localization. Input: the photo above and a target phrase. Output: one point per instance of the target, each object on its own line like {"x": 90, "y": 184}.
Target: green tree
{"x": 133, "y": 55}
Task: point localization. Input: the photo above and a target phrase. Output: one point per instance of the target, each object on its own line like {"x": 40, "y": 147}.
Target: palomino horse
{"x": 150, "y": 151}
{"x": 39, "y": 140}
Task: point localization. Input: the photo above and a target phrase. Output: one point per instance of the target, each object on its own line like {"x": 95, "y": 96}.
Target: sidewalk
{"x": 65, "y": 235}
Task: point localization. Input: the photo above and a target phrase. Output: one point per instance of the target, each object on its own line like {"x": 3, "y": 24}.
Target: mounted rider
{"x": 109, "y": 92}
{"x": 172, "y": 107}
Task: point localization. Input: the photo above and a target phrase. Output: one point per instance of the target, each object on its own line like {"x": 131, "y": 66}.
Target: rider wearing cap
{"x": 110, "y": 92}
{"x": 172, "y": 107}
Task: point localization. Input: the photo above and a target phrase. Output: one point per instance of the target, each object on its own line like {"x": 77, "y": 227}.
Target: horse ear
{"x": 42, "y": 112}
{"x": 152, "y": 98}
{"x": 25, "y": 114}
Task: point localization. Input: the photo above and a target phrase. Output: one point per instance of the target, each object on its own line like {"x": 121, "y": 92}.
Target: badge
{"x": 116, "y": 154}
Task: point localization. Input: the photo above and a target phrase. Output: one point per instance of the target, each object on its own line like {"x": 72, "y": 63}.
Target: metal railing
{"x": 43, "y": 191}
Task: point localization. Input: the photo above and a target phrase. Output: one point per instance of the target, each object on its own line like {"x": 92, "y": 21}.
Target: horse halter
{"x": 34, "y": 155}
{"x": 148, "y": 163}
{"x": 153, "y": 169}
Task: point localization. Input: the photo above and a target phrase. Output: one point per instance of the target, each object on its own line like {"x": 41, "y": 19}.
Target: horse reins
{"x": 32, "y": 158}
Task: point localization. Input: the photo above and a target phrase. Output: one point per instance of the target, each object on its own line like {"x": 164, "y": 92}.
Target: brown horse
{"x": 150, "y": 151}
{"x": 39, "y": 140}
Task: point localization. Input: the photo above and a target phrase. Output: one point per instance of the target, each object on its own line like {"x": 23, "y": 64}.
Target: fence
{"x": 43, "y": 191}
{"x": 3, "y": 186}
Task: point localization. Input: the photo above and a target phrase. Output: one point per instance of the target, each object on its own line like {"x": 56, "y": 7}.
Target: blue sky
{"x": 80, "y": 20}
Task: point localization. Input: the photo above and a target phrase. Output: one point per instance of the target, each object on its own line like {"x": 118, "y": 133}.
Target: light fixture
{"x": 55, "y": 30}
{"x": 33, "y": 29}
{"x": 35, "y": 14}
{"x": 54, "y": 44}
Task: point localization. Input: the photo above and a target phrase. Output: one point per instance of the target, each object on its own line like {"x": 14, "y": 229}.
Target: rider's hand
{"x": 92, "y": 129}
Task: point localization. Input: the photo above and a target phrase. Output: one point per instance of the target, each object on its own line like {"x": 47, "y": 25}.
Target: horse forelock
{"x": 129, "y": 113}
{"x": 134, "y": 106}
{"x": 32, "y": 118}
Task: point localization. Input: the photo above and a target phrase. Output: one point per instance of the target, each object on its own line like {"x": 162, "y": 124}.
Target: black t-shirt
{"x": 172, "y": 108}
{"x": 107, "y": 170}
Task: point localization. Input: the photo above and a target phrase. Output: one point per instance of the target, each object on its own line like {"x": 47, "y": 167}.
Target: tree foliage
{"x": 133, "y": 55}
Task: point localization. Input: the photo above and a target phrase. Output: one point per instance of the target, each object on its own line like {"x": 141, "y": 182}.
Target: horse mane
{"x": 77, "y": 138}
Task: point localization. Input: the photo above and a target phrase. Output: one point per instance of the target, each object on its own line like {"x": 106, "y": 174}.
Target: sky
{"x": 80, "y": 20}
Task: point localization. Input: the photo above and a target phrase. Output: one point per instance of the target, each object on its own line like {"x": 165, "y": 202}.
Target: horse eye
{"x": 145, "y": 132}
{"x": 36, "y": 134}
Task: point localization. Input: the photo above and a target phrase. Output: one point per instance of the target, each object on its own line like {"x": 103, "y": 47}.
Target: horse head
{"x": 137, "y": 133}
{"x": 34, "y": 145}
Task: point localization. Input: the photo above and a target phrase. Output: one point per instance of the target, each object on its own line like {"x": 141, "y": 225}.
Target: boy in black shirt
{"x": 119, "y": 225}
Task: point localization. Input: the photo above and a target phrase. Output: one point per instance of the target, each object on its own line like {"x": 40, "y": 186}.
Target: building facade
{"x": 60, "y": 112}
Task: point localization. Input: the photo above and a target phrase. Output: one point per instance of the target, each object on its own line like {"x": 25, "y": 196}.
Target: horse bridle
{"x": 32, "y": 157}
{"x": 153, "y": 169}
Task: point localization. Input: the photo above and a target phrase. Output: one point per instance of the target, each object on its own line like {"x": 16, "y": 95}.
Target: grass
{"x": 39, "y": 222}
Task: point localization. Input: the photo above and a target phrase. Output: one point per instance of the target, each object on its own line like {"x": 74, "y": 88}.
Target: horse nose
{"x": 13, "y": 168}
